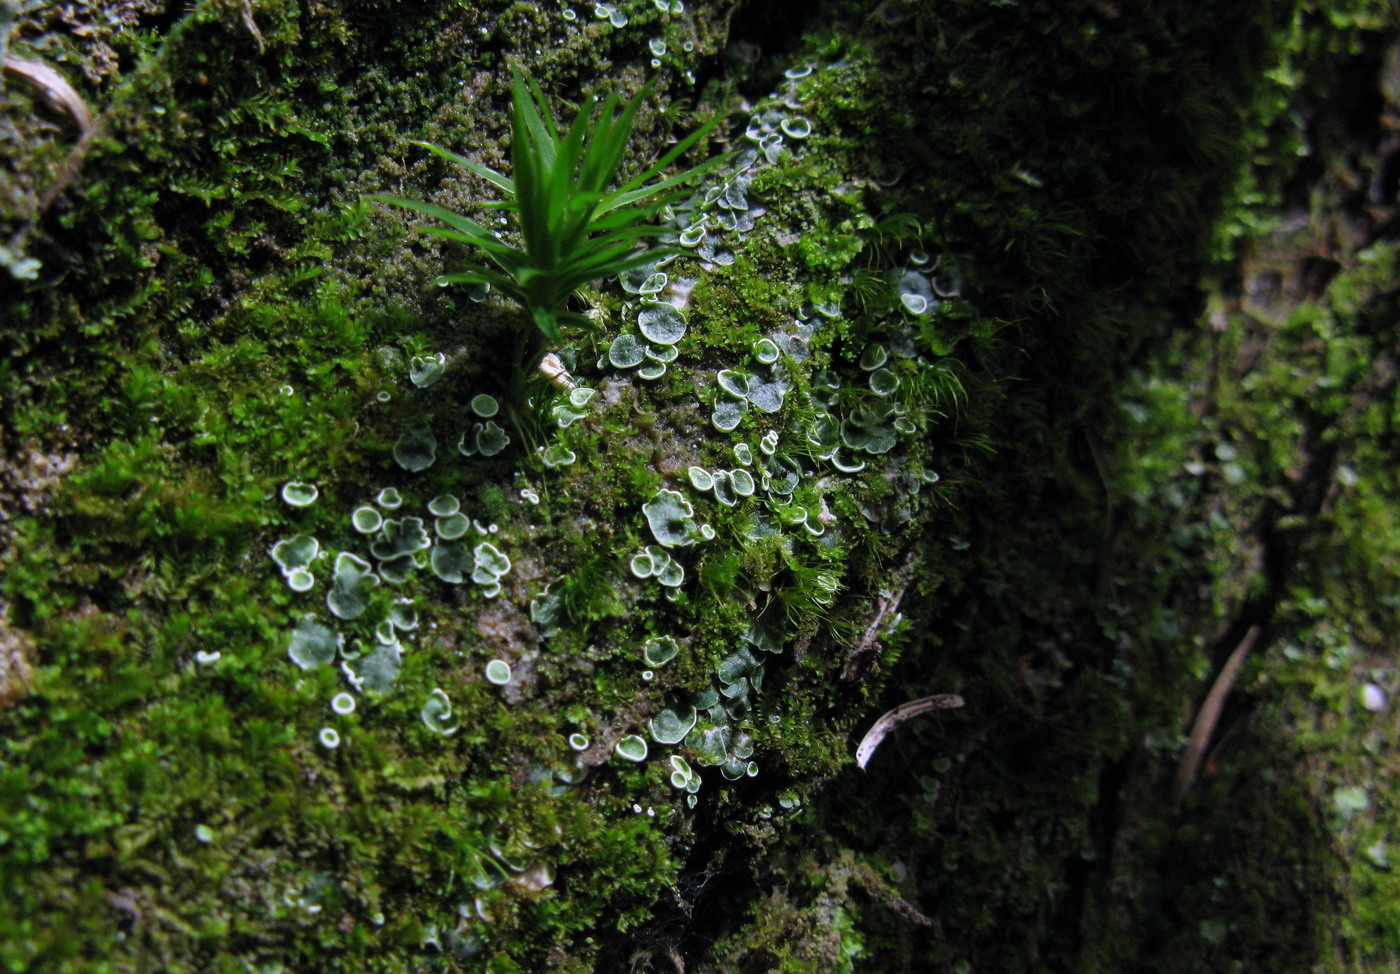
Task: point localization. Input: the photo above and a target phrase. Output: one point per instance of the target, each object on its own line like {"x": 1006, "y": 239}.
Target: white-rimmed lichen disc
{"x": 424, "y": 370}
{"x": 312, "y": 644}
{"x": 742, "y": 482}
{"x": 452, "y": 527}
{"x": 488, "y": 558}
{"x": 491, "y": 439}
{"x": 581, "y": 396}
{"x": 652, "y": 370}
{"x": 350, "y": 587}
{"x": 343, "y": 704}
{"x": 437, "y": 713}
{"x": 883, "y": 382}
{"x": 671, "y": 518}
{"x": 558, "y": 455}
{"x": 662, "y": 324}
{"x": 670, "y": 727}
{"x": 416, "y": 449}
{"x": 660, "y": 650}
{"x": 485, "y": 406}
{"x": 578, "y": 742}
{"x": 329, "y": 738}
{"x": 389, "y": 499}
{"x": 873, "y": 357}
{"x": 378, "y": 670}
{"x": 625, "y": 352}
{"x": 366, "y": 520}
{"x": 733, "y": 383}
{"x": 450, "y": 562}
{"x": 298, "y": 494}
{"x": 498, "y": 672}
{"x": 444, "y": 505}
{"x": 700, "y": 478}
{"x": 768, "y": 396}
{"x": 796, "y": 127}
{"x": 727, "y": 414}
{"x": 661, "y": 353}
{"x": 724, "y": 488}
{"x": 300, "y": 580}
{"x": 765, "y": 351}
{"x": 672, "y": 575}
{"x": 297, "y": 552}
{"x": 403, "y": 536}
{"x": 743, "y": 453}
{"x": 633, "y": 747}
{"x": 642, "y": 565}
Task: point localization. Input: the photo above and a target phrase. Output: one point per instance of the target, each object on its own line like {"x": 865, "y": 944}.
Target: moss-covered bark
{"x": 1061, "y": 487}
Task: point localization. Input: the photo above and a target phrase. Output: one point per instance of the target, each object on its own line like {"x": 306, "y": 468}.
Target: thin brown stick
{"x": 1209, "y": 715}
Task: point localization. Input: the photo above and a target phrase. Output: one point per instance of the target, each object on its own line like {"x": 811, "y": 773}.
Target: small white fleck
{"x": 1373, "y": 698}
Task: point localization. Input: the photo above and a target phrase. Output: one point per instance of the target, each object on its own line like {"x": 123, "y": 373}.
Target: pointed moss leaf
{"x": 625, "y": 352}
{"x": 424, "y": 370}
{"x": 662, "y": 324}
{"x": 671, "y": 519}
{"x": 416, "y": 449}
{"x": 727, "y": 414}
{"x": 660, "y": 650}
{"x": 632, "y": 747}
{"x": 398, "y": 537}
{"x": 491, "y": 439}
{"x": 669, "y": 727}
{"x": 733, "y": 383}
{"x": 312, "y": 644}
{"x": 449, "y": 562}
{"x": 350, "y": 586}
{"x": 298, "y": 494}
{"x": 490, "y": 560}
{"x": 297, "y": 552}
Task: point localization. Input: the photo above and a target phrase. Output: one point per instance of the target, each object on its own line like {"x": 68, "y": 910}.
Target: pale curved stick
{"x": 54, "y": 88}
{"x": 897, "y": 716}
